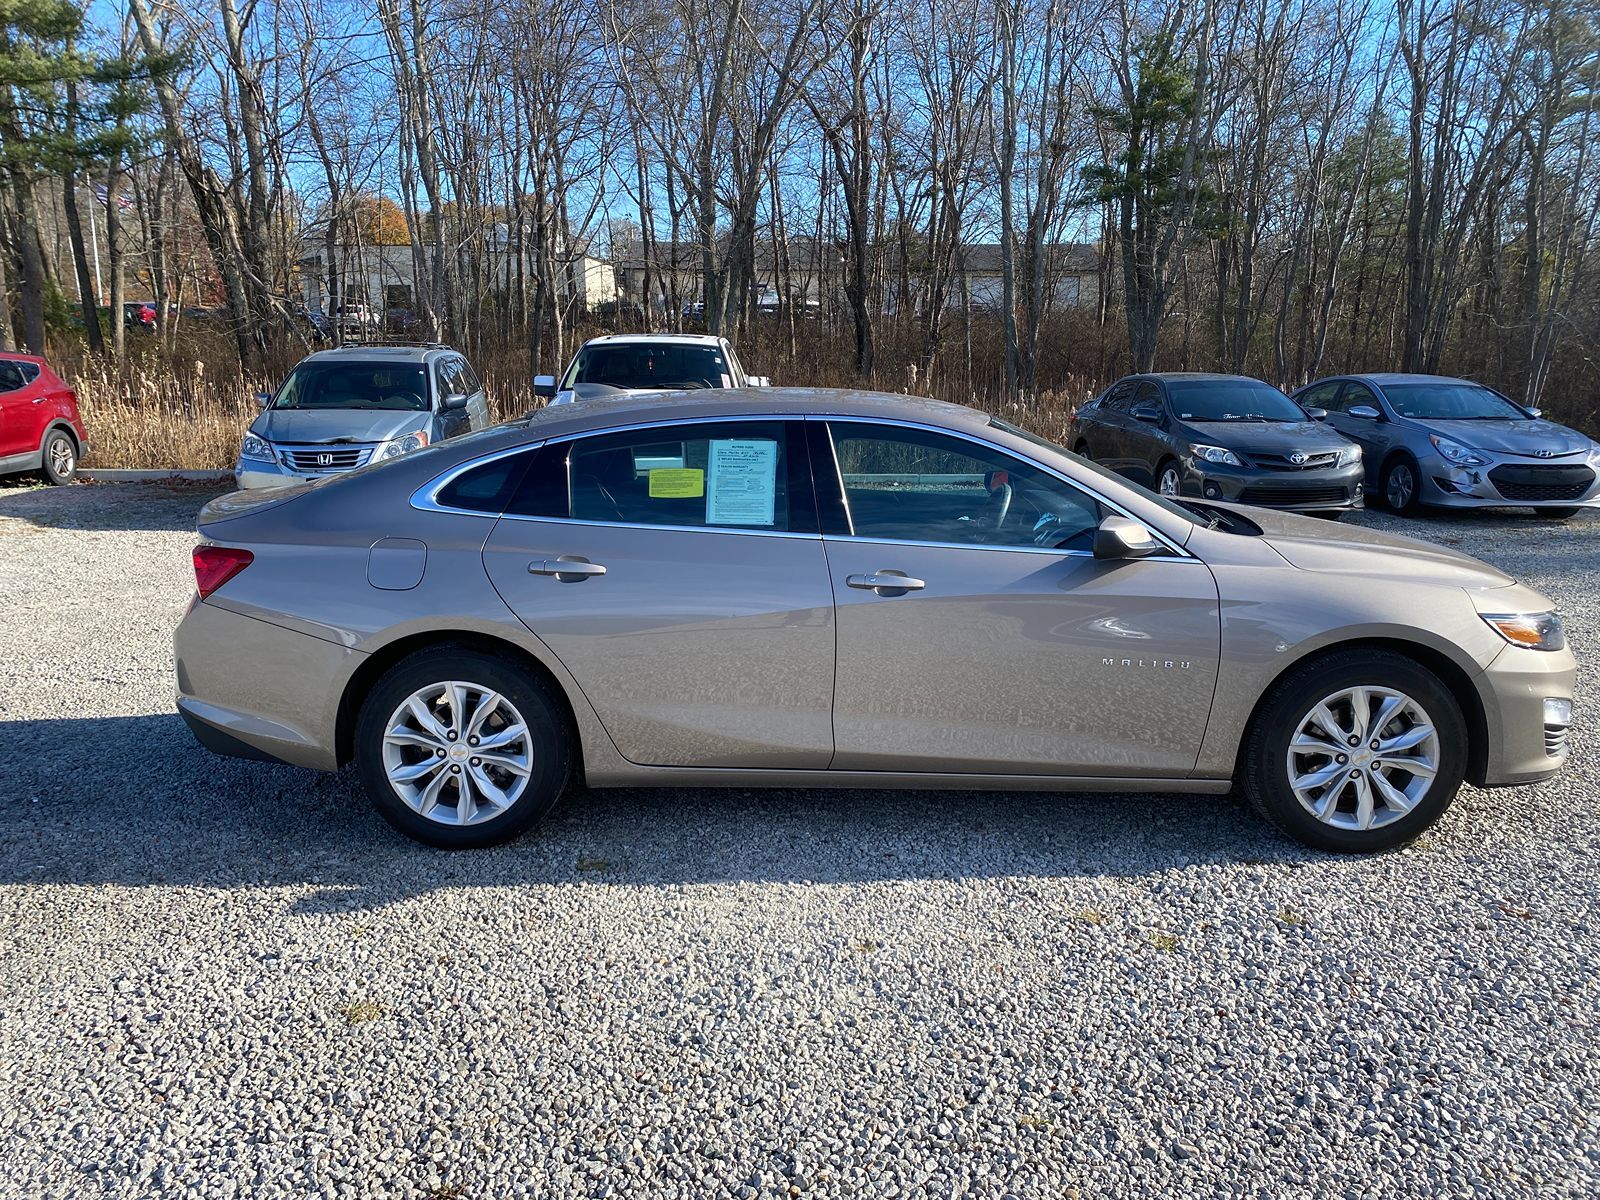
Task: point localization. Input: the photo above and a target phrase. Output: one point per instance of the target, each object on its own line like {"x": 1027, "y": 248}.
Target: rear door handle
{"x": 885, "y": 583}
{"x": 569, "y": 568}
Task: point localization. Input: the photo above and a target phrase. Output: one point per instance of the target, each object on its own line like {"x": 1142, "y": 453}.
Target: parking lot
{"x": 229, "y": 978}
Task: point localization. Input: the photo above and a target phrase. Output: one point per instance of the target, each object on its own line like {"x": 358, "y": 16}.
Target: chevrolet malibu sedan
{"x": 1221, "y": 437}
{"x": 1452, "y": 443}
{"x": 847, "y": 589}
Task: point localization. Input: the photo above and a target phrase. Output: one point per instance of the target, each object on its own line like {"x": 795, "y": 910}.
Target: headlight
{"x": 1216, "y": 454}
{"x": 254, "y": 447}
{"x": 1535, "y": 631}
{"x": 1350, "y": 454}
{"x": 402, "y": 445}
{"x": 1455, "y": 452}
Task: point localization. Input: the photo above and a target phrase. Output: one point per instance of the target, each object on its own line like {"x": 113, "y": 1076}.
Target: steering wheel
{"x": 1000, "y": 503}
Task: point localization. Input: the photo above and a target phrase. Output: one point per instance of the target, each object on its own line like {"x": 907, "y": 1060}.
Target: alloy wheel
{"x": 457, "y": 753}
{"x": 1363, "y": 757}
{"x": 1170, "y": 483}
{"x": 62, "y": 458}
{"x": 1400, "y": 487}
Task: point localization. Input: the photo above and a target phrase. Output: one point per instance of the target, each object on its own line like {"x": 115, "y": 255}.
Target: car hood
{"x": 1317, "y": 545}
{"x": 1532, "y": 438}
{"x": 322, "y": 425}
{"x": 1267, "y": 437}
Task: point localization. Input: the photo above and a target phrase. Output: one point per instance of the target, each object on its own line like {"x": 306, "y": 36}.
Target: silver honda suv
{"x": 342, "y": 409}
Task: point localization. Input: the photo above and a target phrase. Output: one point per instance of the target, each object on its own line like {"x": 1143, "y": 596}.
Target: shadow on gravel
{"x": 135, "y": 801}
{"x": 158, "y": 506}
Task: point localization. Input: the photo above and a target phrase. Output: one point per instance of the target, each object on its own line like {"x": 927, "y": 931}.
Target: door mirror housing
{"x": 1317, "y": 414}
{"x": 263, "y": 399}
{"x": 758, "y": 381}
{"x": 1149, "y": 413}
{"x": 454, "y": 403}
{"x": 544, "y": 385}
{"x": 1366, "y": 412}
{"x": 1534, "y": 412}
{"x": 1120, "y": 537}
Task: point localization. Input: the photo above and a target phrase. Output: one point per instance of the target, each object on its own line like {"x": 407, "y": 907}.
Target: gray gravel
{"x": 224, "y": 978}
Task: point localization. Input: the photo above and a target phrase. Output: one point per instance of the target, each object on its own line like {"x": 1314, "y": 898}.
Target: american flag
{"x": 104, "y": 197}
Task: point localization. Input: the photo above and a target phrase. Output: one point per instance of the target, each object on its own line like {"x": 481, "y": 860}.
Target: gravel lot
{"x": 225, "y": 978}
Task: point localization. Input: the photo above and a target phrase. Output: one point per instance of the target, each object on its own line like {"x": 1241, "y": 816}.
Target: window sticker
{"x": 677, "y": 483}
{"x": 744, "y": 482}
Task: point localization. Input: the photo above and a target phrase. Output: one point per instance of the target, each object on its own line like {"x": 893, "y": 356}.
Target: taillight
{"x": 215, "y": 565}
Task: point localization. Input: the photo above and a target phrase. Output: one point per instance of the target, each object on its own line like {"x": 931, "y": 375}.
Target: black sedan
{"x": 1221, "y": 437}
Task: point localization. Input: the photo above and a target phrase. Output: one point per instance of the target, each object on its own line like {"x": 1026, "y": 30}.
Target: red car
{"x": 40, "y": 429}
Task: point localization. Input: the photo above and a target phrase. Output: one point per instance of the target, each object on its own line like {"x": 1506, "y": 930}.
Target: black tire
{"x": 1162, "y": 467}
{"x": 1396, "y": 498}
{"x": 58, "y": 458}
{"x": 1082, "y": 450}
{"x": 1556, "y": 514}
{"x": 1264, "y": 769}
{"x": 550, "y": 743}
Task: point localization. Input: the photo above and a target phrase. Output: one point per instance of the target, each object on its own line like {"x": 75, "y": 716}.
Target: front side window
{"x": 1231, "y": 400}
{"x": 363, "y": 386}
{"x": 1455, "y": 400}
{"x": 912, "y": 485}
{"x": 721, "y": 475}
{"x": 668, "y": 366}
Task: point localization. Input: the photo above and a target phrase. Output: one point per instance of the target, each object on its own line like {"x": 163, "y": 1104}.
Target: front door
{"x": 977, "y": 633}
{"x": 677, "y": 573}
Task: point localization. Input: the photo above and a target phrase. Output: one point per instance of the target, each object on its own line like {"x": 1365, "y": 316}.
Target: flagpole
{"x": 94, "y": 241}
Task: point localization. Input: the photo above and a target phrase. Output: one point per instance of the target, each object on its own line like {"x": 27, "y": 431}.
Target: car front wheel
{"x": 1169, "y": 482}
{"x": 1400, "y": 486}
{"x": 461, "y": 749}
{"x": 1355, "y": 752}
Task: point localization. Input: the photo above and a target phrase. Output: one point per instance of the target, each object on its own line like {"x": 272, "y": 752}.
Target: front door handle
{"x": 569, "y": 568}
{"x": 885, "y": 583}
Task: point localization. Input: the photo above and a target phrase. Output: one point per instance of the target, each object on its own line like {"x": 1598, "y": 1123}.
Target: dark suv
{"x": 1221, "y": 437}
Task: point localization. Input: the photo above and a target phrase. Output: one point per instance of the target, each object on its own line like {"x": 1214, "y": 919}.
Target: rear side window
{"x": 486, "y": 488}
{"x": 15, "y": 375}
{"x": 1321, "y": 395}
{"x": 1119, "y": 398}
{"x": 723, "y": 475}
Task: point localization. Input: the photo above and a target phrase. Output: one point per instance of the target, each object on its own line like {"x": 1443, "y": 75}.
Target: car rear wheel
{"x": 1355, "y": 752}
{"x": 1400, "y": 485}
{"x": 460, "y": 749}
{"x": 1169, "y": 479}
{"x": 59, "y": 457}
{"x": 1082, "y": 451}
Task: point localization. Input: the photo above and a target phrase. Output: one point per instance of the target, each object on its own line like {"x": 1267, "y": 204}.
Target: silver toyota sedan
{"x": 811, "y": 587}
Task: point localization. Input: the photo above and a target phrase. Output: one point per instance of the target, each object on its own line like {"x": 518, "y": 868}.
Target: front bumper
{"x": 1510, "y": 482}
{"x": 259, "y": 473}
{"x": 1335, "y": 489}
{"x": 1521, "y": 747}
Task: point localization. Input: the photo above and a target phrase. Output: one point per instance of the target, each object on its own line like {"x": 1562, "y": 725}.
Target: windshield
{"x": 1231, "y": 400}
{"x": 401, "y": 387}
{"x": 1176, "y": 510}
{"x": 650, "y": 366}
{"x": 1454, "y": 401}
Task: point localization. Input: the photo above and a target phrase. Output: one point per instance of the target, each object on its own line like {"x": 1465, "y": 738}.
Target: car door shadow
{"x": 134, "y": 801}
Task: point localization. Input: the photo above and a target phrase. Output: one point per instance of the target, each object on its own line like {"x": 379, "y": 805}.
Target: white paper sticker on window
{"x": 742, "y": 482}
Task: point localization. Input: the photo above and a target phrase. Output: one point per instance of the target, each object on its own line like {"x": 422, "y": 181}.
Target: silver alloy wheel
{"x": 457, "y": 753}
{"x": 1400, "y": 486}
{"x": 61, "y": 458}
{"x": 1363, "y": 757}
{"x": 1171, "y": 483}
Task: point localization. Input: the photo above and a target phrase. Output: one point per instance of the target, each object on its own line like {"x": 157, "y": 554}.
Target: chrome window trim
{"x": 1179, "y": 554}
{"x": 425, "y": 498}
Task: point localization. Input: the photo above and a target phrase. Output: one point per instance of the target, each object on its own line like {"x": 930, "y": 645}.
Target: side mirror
{"x": 263, "y": 399}
{"x": 1534, "y": 412}
{"x": 544, "y": 385}
{"x": 1317, "y": 414}
{"x": 1150, "y": 413}
{"x": 758, "y": 381}
{"x": 454, "y": 403}
{"x": 1366, "y": 412}
{"x": 1119, "y": 537}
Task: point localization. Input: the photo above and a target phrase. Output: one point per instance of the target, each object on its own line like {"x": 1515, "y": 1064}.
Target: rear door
{"x": 1146, "y": 440}
{"x": 1107, "y": 432}
{"x": 978, "y": 633}
{"x": 22, "y": 407}
{"x": 678, "y": 574}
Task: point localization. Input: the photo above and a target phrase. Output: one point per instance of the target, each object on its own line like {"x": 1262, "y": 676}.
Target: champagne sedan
{"x": 824, "y": 588}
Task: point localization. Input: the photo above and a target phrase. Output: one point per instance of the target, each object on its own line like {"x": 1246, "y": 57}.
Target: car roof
{"x": 628, "y": 339}
{"x": 377, "y": 353}
{"x": 635, "y": 408}
{"x": 1182, "y": 376}
{"x": 1382, "y": 377}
